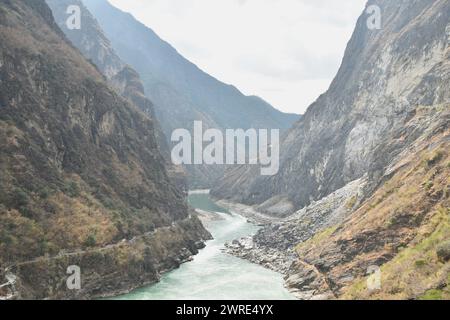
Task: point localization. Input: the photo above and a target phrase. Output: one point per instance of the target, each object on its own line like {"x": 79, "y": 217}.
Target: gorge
{"x": 213, "y": 274}
{"x": 87, "y": 177}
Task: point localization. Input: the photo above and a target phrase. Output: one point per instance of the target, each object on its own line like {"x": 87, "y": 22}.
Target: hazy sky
{"x": 285, "y": 51}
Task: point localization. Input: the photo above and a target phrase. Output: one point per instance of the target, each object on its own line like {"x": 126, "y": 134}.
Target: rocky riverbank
{"x": 326, "y": 249}
{"x": 274, "y": 246}
{"x": 254, "y": 248}
{"x": 249, "y": 212}
{"x": 270, "y": 258}
{"x": 107, "y": 271}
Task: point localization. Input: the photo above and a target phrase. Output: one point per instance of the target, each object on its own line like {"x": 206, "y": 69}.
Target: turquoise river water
{"x": 213, "y": 274}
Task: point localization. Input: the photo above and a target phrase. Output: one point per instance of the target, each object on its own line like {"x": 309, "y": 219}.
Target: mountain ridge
{"x": 96, "y": 47}
{"x": 83, "y": 181}
{"x": 181, "y": 91}
{"x": 334, "y": 142}
{"x": 364, "y": 181}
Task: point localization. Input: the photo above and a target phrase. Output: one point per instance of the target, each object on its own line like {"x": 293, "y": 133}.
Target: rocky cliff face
{"x": 368, "y": 167}
{"x": 327, "y": 248}
{"x": 96, "y": 47}
{"x": 385, "y": 76}
{"x": 183, "y": 93}
{"x": 82, "y": 179}
{"x": 89, "y": 38}
{"x": 402, "y": 230}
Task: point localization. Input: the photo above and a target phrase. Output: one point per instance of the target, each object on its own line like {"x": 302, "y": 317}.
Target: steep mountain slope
{"x": 182, "y": 93}
{"x": 326, "y": 249}
{"x": 368, "y": 166}
{"x": 404, "y": 229}
{"x": 89, "y": 38}
{"x": 95, "y": 46}
{"x": 82, "y": 179}
{"x": 385, "y": 76}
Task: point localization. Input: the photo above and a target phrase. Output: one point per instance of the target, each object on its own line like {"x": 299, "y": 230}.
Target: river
{"x": 213, "y": 274}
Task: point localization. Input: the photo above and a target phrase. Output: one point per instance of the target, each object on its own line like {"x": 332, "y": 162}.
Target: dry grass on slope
{"x": 402, "y": 227}
{"x": 418, "y": 197}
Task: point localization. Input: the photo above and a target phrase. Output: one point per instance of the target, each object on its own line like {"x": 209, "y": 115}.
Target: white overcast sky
{"x": 285, "y": 51}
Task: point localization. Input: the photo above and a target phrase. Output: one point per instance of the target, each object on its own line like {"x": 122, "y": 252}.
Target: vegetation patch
{"x": 351, "y": 202}
{"x": 415, "y": 269}
{"x": 434, "y": 158}
{"x": 319, "y": 237}
{"x": 434, "y": 294}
